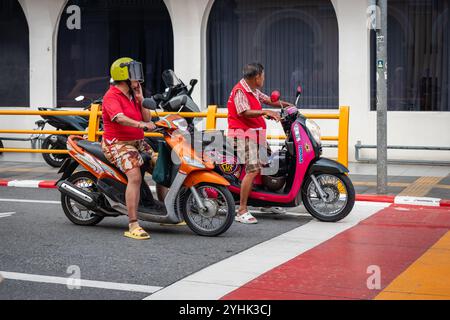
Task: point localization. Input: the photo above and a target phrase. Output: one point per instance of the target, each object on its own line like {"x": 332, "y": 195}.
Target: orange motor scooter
{"x": 197, "y": 194}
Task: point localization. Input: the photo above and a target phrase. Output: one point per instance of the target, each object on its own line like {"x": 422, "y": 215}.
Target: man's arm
{"x": 139, "y": 96}
{"x": 244, "y": 110}
{"x": 146, "y": 114}
{"x": 113, "y": 109}
{"x": 278, "y": 104}
{"x": 261, "y": 113}
{"x": 265, "y": 99}
{"x": 126, "y": 121}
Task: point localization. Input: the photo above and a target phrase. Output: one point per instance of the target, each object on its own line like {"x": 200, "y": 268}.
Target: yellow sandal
{"x": 137, "y": 234}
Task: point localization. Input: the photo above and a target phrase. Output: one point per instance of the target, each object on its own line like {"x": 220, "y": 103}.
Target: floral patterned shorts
{"x": 126, "y": 155}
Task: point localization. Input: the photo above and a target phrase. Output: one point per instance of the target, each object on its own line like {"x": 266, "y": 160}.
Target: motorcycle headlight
{"x": 193, "y": 162}
{"x": 314, "y": 128}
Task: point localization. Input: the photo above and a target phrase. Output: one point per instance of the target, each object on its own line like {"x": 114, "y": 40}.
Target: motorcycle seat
{"x": 95, "y": 148}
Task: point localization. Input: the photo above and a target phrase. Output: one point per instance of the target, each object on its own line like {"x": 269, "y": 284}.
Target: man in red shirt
{"x": 247, "y": 125}
{"x": 124, "y": 120}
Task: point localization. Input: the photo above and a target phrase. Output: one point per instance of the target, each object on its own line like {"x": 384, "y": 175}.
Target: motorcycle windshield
{"x": 170, "y": 78}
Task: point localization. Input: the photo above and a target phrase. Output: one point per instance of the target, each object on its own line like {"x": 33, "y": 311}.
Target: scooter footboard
{"x": 198, "y": 177}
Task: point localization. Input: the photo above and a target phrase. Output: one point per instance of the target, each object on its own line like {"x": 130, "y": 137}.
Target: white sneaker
{"x": 274, "y": 210}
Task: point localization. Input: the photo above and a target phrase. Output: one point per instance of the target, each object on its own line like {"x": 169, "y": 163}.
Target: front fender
{"x": 324, "y": 165}
{"x": 197, "y": 177}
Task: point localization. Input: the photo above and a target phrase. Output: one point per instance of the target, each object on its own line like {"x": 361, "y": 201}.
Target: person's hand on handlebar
{"x": 147, "y": 126}
{"x": 272, "y": 115}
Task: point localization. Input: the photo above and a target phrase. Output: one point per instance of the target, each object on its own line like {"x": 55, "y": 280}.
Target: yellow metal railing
{"x": 211, "y": 116}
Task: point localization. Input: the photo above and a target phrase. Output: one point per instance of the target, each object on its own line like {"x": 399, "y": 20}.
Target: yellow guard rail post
{"x": 344, "y": 119}
{"x": 211, "y": 116}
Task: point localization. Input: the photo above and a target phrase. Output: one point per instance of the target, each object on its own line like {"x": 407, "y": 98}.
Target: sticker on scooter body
{"x": 298, "y": 137}
{"x": 300, "y": 154}
{"x": 228, "y": 168}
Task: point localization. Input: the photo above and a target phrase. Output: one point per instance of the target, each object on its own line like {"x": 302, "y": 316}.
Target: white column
{"x": 42, "y": 17}
{"x": 187, "y": 22}
{"x": 354, "y": 67}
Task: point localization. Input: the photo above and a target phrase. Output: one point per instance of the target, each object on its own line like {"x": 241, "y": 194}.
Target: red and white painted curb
{"x": 418, "y": 201}
{"x": 43, "y": 184}
{"x": 415, "y": 201}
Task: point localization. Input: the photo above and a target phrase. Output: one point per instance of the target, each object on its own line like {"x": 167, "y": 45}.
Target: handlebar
{"x": 157, "y": 130}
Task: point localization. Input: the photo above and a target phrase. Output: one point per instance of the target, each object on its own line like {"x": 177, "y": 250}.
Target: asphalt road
{"x": 37, "y": 239}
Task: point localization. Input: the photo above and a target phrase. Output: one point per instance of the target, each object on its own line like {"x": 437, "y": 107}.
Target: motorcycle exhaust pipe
{"x": 86, "y": 199}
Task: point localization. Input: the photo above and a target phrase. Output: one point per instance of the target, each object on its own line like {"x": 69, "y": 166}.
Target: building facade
{"x": 54, "y": 50}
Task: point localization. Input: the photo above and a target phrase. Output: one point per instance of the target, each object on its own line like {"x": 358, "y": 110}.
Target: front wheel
{"x": 339, "y": 200}
{"x": 219, "y": 213}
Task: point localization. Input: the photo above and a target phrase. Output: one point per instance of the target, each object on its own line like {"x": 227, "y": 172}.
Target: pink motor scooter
{"x": 303, "y": 176}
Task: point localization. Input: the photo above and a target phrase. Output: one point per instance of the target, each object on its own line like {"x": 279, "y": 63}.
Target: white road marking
{"x": 30, "y": 201}
{"x": 6, "y": 214}
{"x": 83, "y": 283}
{"x": 219, "y": 279}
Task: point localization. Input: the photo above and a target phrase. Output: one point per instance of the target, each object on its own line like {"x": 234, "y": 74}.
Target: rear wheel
{"x": 53, "y": 159}
{"x": 339, "y": 200}
{"x": 219, "y": 213}
{"x": 75, "y": 212}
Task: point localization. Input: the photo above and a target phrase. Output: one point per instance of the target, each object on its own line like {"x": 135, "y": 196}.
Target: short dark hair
{"x": 252, "y": 70}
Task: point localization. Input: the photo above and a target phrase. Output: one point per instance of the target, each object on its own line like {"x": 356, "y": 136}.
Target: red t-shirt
{"x": 115, "y": 103}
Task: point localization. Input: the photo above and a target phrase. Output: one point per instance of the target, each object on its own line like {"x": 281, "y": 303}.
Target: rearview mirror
{"x": 149, "y": 103}
{"x": 275, "y": 96}
{"x": 193, "y": 82}
{"x": 299, "y": 91}
{"x": 79, "y": 98}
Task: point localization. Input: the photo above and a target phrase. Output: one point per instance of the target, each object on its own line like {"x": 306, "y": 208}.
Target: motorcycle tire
{"x": 194, "y": 225}
{"x": 347, "y": 183}
{"x": 68, "y": 206}
{"x": 52, "y": 159}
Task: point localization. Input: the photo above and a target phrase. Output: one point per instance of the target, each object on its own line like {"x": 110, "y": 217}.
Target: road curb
{"x": 41, "y": 184}
{"x": 417, "y": 201}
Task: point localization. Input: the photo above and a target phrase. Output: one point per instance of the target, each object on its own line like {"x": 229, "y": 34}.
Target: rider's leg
{"x": 246, "y": 188}
{"x": 132, "y": 194}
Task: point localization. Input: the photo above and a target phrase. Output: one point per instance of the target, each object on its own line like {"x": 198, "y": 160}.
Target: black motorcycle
{"x": 62, "y": 123}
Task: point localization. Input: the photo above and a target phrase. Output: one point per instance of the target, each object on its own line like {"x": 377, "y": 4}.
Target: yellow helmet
{"x": 127, "y": 69}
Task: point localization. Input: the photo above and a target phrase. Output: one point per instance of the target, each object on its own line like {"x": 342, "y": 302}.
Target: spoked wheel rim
{"x": 217, "y": 209}
{"x": 56, "y": 156}
{"x": 77, "y": 210}
{"x": 337, "y": 195}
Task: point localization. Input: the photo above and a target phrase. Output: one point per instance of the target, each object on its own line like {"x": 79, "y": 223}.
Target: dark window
{"x": 110, "y": 29}
{"x": 14, "y": 56}
{"x": 418, "y": 55}
{"x": 296, "y": 41}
